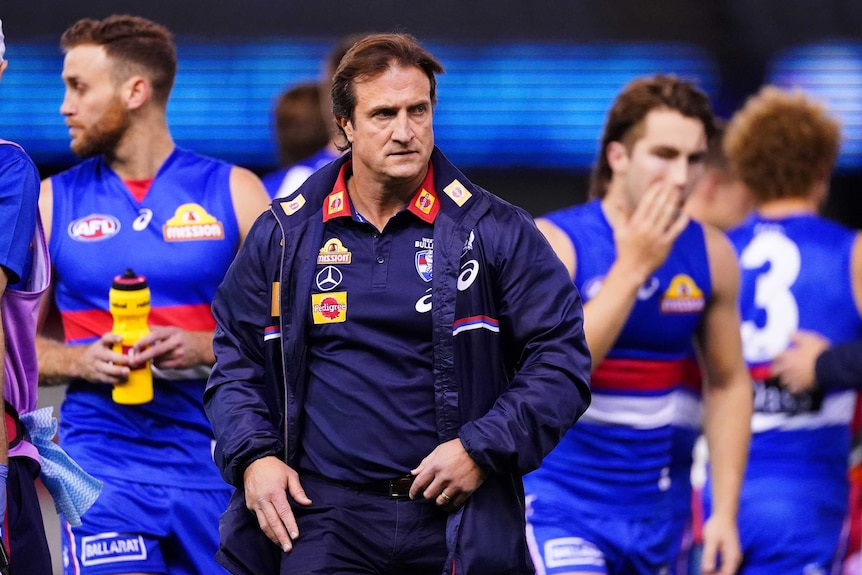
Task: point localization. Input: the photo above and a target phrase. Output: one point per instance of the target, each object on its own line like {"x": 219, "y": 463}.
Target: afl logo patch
{"x": 94, "y": 228}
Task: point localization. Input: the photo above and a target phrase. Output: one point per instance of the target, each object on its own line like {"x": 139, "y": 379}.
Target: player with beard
{"x": 177, "y": 218}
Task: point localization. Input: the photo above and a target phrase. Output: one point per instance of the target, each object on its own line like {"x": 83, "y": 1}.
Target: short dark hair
{"x": 626, "y": 117}
{"x": 373, "y": 55}
{"x": 134, "y": 43}
{"x": 299, "y": 124}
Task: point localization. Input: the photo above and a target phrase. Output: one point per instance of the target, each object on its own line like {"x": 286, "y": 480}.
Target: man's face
{"x": 92, "y": 107}
{"x": 392, "y": 132}
{"x": 671, "y": 152}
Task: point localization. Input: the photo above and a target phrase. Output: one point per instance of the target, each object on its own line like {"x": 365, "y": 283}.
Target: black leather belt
{"x": 398, "y": 488}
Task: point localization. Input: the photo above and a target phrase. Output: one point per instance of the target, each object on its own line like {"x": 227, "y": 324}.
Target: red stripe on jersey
{"x": 79, "y": 325}
{"x": 639, "y": 375}
{"x": 760, "y": 372}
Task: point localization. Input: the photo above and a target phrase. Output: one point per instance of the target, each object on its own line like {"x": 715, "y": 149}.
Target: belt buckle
{"x": 400, "y": 487}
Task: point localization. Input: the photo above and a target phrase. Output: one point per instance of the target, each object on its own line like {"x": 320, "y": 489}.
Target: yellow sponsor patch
{"x": 457, "y": 192}
{"x": 275, "y": 299}
{"x": 334, "y": 252}
{"x": 425, "y": 202}
{"x": 329, "y": 307}
{"x": 682, "y": 296}
{"x": 192, "y": 222}
{"x": 293, "y": 205}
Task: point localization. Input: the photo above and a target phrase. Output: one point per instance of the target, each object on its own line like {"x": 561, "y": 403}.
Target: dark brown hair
{"x": 781, "y": 143}
{"x": 625, "y": 121}
{"x": 135, "y": 44}
{"x": 299, "y": 124}
{"x": 373, "y": 55}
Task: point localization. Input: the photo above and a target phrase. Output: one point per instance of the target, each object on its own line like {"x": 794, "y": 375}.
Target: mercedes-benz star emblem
{"x": 328, "y": 278}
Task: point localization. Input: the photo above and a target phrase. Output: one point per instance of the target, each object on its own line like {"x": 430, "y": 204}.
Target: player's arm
{"x": 643, "y": 241}
{"x": 59, "y": 362}
{"x": 249, "y": 199}
{"x": 727, "y": 404}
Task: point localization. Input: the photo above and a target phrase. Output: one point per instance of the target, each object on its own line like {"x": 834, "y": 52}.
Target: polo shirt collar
{"x": 425, "y": 203}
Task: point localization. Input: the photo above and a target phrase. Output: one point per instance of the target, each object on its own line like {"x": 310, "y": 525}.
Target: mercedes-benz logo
{"x": 328, "y": 278}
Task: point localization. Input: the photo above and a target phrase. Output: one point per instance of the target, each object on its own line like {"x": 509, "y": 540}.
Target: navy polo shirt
{"x": 369, "y": 412}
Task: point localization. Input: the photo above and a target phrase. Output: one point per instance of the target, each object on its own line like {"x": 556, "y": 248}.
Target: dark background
{"x": 742, "y": 35}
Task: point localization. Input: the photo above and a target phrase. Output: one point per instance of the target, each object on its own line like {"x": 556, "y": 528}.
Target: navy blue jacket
{"x": 509, "y": 395}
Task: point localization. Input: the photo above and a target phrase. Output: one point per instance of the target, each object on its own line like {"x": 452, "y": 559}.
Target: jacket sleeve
{"x": 840, "y": 366}
{"x": 541, "y": 332}
{"x": 240, "y": 400}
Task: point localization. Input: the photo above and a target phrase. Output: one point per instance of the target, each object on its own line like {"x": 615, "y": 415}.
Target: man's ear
{"x": 617, "y": 156}
{"x": 347, "y": 126}
{"x": 136, "y": 91}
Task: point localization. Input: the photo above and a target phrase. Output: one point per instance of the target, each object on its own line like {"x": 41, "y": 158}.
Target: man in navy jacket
{"x": 395, "y": 348}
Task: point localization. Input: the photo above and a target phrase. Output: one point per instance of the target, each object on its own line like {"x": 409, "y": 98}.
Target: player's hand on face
{"x": 267, "y": 482}
{"x": 448, "y": 476}
{"x": 100, "y": 363}
{"x": 172, "y": 348}
{"x": 646, "y": 237}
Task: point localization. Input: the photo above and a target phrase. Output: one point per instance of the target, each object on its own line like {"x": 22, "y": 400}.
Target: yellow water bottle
{"x": 130, "y": 306}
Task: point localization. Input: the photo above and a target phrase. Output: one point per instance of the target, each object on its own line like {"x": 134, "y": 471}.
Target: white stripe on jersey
{"x": 675, "y": 408}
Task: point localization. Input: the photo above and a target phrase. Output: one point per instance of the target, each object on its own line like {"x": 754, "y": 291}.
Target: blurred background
{"x": 523, "y": 99}
{"x": 527, "y": 85}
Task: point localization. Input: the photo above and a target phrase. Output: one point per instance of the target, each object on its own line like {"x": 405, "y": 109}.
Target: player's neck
{"x": 784, "y": 207}
{"x": 616, "y": 205}
{"x": 141, "y": 151}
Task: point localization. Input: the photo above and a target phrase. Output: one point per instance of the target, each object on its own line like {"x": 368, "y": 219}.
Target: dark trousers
{"x": 26, "y": 531}
{"x": 348, "y": 531}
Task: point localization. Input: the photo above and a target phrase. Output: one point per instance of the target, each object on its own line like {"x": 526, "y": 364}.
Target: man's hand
{"x": 173, "y": 348}
{"x": 795, "y": 366}
{"x": 644, "y": 239}
{"x": 100, "y": 363}
{"x": 267, "y": 482}
{"x": 447, "y": 475}
{"x": 721, "y": 550}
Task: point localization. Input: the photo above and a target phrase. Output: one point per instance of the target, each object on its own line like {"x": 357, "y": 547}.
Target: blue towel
{"x": 73, "y": 489}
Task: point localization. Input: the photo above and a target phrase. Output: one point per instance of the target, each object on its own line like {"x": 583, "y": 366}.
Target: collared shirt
{"x": 370, "y": 411}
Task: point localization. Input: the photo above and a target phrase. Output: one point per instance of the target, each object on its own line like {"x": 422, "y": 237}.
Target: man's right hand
{"x": 646, "y": 237}
{"x": 267, "y": 482}
{"x": 100, "y": 363}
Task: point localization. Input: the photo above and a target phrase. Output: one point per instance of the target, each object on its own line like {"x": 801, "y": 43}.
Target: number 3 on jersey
{"x": 776, "y": 261}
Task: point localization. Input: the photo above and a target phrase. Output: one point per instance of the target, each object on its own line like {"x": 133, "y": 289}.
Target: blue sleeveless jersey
{"x": 796, "y": 275}
{"x": 182, "y": 237}
{"x": 645, "y": 413}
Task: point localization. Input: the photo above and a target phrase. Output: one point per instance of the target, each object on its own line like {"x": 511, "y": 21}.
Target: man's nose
{"x": 402, "y": 131}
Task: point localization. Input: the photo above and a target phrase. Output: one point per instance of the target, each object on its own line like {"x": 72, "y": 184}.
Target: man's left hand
{"x": 796, "y": 366}
{"x": 721, "y": 550}
{"x": 448, "y": 475}
{"x": 173, "y": 348}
